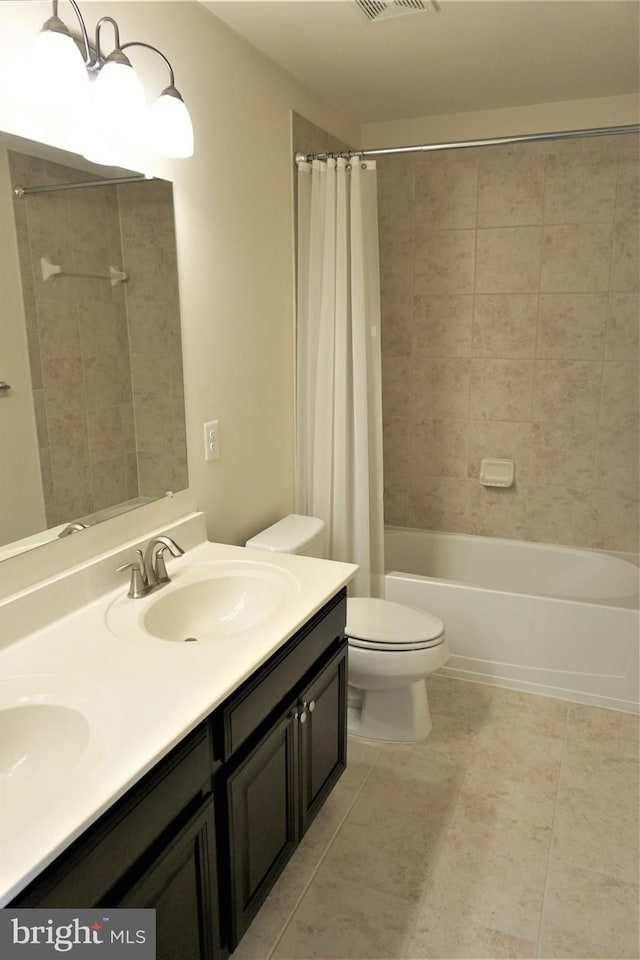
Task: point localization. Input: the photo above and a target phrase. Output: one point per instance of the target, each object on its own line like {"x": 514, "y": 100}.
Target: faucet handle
{"x": 137, "y": 586}
{"x": 160, "y": 567}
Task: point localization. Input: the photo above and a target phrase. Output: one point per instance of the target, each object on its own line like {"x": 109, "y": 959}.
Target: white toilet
{"x": 392, "y": 647}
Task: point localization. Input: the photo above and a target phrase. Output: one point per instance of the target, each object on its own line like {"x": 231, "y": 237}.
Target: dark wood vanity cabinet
{"x": 270, "y": 794}
{"x": 204, "y": 835}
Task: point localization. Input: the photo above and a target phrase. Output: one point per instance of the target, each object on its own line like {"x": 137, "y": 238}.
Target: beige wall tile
{"x": 510, "y": 191}
{"x": 444, "y": 261}
{"x": 442, "y": 325}
{"x": 620, "y": 398}
{"x": 108, "y": 482}
{"x": 580, "y": 189}
{"x": 623, "y": 327}
{"x": 396, "y": 499}
{"x": 440, "y": 389}
{"x": 396, "y": 294}
{"x": 628, "y": 192}
{"x": 395, "y": 178}
{"x": 105, "y": 433}
{"x": 617, "y": 459}
{"x": 397, "y": 445}
{"x": 504, "y": 325}
{"x": 625, "y": 272}
{"x": 572, "y": 326}
{"x": 107, "y": 380}
{"x": 438, "y": 503}
{"x": 72, "y": 491}
{"x": 496, "y": 513}
{"x": 562, "y": 292}
{"x": 396, "y": 388}
{"x": 439, "y": 448}
{"x": 40, "y": 410}
{"x": 68, "y": 442}
{"x": 446, "y": 193}
{"x": 501, "y": 389}
{"x": 563, "y": 455}
{"x": 566, "y": 390}
{"x": 58, "y": 328}
{"x": 500, "y": 440}
{"x": 558, "y": 515}
{"x": 615, "y": 521}
{"x": 576, "y": 258}
{"x": 508, "y": 260}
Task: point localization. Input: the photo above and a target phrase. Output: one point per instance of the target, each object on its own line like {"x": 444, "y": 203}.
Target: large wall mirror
{"x": 91, "y": 390}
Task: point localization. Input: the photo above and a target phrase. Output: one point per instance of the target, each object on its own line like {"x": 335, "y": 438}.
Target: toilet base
{"x": 400, "y": 714}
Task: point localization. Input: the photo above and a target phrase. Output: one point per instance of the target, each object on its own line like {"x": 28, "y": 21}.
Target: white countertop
{"x": 139, "y": 696}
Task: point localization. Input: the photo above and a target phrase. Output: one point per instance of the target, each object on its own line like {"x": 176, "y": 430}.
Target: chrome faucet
{"x": 74, "y": 527}
{"x": 149, "y": 572}
{"x": 153, "y": 561}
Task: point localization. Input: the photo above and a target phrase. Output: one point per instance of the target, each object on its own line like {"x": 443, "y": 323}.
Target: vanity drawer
{"x": 245, "y": 710}
{"x": 96, "y": 863}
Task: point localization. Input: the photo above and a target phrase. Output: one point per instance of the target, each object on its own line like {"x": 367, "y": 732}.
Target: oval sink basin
{"x": 206, "y": 602}
{"x": 41, "y": 745}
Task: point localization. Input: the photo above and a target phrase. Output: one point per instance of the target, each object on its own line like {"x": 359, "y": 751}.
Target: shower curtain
{"x": 339, "y": 406}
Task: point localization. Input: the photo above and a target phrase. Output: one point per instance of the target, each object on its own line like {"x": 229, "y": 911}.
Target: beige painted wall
{"x": 510, "y": 121}
{"x": 234, "y": 230}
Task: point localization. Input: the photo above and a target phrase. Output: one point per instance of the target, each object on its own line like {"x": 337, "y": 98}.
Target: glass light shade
{"x": 118, "y": 100}
{"x": 57, "y": 73}
{"x": 170, "y": 127}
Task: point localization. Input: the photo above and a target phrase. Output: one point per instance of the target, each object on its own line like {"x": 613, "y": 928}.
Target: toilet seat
{"x": 374, "y": 624}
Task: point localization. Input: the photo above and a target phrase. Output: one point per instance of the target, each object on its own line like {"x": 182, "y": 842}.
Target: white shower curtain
{"x": 339, "y": 408}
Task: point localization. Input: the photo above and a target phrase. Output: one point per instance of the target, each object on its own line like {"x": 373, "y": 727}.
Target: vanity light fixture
{"x": 113, "y": 107}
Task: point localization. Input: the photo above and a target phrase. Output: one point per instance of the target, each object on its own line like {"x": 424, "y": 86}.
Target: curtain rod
{"x": 461, "y": 144}
{"x": 25, "y": 191}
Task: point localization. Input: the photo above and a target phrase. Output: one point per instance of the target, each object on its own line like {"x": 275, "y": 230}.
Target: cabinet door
{"x": 180, "y": 884}
{"x": 323, "y": 734}
{"x": 262, "y": 822}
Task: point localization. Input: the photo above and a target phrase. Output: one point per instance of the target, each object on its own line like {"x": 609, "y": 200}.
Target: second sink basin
{"x": 205, "y": 602}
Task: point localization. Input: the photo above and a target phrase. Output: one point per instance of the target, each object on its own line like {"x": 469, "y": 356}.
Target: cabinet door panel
{"x": 323, "y": 735}
{"x": 261, "y": 799}
{"x": 180, "y": 885}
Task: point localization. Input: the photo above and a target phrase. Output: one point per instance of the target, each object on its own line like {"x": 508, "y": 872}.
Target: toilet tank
{"x": 292, "y": 534}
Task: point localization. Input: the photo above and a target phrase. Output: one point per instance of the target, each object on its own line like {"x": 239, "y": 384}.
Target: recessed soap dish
{"x": 497, "y": 473}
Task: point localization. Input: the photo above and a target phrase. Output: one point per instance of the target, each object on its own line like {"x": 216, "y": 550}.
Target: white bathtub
{"x": 560, "y": 621}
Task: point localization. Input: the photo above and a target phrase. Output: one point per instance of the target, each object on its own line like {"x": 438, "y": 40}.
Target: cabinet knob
{"x": 294, "y": 714}
{"x": 303, "y": 716}
{"x": 312, "y": 706}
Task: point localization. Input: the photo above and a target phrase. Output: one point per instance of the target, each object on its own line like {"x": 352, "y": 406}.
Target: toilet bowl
{"x": 392, "y": 647}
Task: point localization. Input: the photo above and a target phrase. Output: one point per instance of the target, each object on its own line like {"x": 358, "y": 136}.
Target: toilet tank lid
{"x": 291, "y": 534}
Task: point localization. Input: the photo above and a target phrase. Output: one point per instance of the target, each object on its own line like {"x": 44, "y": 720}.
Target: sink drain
{"x": 190, "y": 639}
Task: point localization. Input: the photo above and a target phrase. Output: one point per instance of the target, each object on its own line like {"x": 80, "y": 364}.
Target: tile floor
{"x": 511, "y": 832}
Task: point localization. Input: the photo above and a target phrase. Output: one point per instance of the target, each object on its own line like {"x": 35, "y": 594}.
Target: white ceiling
{"x": 472, "y": 55}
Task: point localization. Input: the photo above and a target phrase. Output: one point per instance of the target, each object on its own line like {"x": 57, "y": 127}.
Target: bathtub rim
{"x": 633, "y": 601}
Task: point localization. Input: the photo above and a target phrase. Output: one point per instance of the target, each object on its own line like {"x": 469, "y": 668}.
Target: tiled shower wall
{"x": 510, "y": 330}
{"x": 98, "y": 443}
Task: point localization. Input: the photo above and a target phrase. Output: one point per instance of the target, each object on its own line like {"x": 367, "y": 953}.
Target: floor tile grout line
{"x": 322, "y": 858}
{"x": 553, "y": 821}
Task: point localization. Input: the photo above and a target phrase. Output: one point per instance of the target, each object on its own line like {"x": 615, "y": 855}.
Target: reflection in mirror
{"x": 92, "y": 423}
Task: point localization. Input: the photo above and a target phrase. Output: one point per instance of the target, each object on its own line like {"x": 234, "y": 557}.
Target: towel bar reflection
{"x": 50, "y": 270}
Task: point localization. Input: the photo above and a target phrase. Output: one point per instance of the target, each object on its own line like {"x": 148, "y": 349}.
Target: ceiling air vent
{"x": 378, "y": 10}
